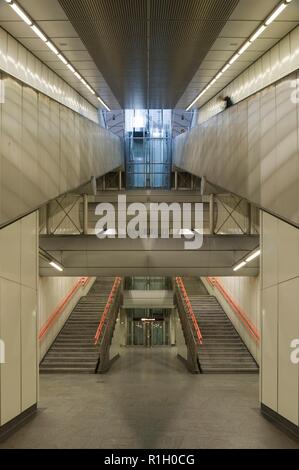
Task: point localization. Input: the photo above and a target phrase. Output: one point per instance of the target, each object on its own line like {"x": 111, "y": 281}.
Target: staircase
{"x": 223, "y": 351}
{"x": 73, "y": 350}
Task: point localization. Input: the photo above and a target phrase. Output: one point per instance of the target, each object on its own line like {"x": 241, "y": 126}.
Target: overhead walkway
{"x": 221, "y": 350}
{"x": 74, "y": 350}
{"x": 87, "y": 255}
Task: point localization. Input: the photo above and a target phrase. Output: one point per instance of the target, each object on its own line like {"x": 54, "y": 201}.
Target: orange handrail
{"x": 58, "y": 310}
{"x": 182, "y": 288}
{"x": 239, "y": 312}
{"x": 115, "y": 286}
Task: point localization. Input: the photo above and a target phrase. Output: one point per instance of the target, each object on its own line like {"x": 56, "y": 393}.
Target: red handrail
{"x": 115, "y": 286}
{"x": 58, "y": 310}
{"x": 182, "y": 288}
{"x": 239, "y": 312}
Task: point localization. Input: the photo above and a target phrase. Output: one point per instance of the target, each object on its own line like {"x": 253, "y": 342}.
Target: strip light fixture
{"x": 49, "y": 259}
{"x": 269, "y": 20}
{"x": 250, "y": 258}
{"x": 26, "y": 18}
{"x": 56, "y": 266}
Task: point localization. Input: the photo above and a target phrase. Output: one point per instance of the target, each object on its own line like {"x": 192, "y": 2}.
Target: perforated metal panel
{"x": 148, "y": 50}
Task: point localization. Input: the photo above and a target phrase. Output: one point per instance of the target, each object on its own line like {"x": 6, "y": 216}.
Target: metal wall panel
{"x": 19, "y": 62}
{"x": 10, "y": 404}
{"x": 30, "y": 152}
{"x": 281, "y": 60}
{"x": 11, "y": 147}
{"x": 46, "y": 149}
{"x": 258, "y": 155}
{"x": 287, "y": 149}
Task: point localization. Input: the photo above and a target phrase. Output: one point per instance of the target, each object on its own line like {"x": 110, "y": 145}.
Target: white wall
{"x": 46, "y": 150}
{"x": 278, "y": 62}
{"x": 18, "y": 316}
{"x": 280, "y": 317}
{"x": 251, "y": 150}
{"x": 245, "y": 291}
{"x": 17, "y": 61}
{"x": 52, "y": 291}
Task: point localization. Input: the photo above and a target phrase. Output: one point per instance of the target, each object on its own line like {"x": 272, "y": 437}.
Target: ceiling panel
{"x": 52, "y": 19}
{"x": 148, "y": 50}
{"x": 243, "y": 21}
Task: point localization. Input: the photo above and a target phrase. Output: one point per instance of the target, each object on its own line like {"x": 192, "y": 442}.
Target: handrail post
{"x": 212, "y": 214}
{"x": 104, "y": 331}
{"x": 85, "y": 214}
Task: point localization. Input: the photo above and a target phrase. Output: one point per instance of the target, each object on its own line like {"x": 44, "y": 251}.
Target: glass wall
{"x": 150, "y": 327}
{"x": 148, "y": 140}
{"x": 148, "y": 283}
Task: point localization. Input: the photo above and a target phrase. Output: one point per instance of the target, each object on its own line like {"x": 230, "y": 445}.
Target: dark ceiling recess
{"x": 148, "y": 50}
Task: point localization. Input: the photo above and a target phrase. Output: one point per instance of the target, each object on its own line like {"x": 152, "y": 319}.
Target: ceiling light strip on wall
{"x": 250, "y": 258}
{"x": 26, "y": 18}
{"x": 269, "y": 20}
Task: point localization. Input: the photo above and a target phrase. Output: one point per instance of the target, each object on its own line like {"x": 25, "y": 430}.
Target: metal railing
{"x": 191, "y": 330}
{"x": 238, "y": 311}
{"x": 104, "y": 333}
{"x": 61, "y": 307}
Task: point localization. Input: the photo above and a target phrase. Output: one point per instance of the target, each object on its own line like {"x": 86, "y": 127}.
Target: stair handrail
{"x": 60, "y": 308}
{"x": 104, "y": 316}
{"x": 243, "y": 317}
{"x": 190, "y": 311}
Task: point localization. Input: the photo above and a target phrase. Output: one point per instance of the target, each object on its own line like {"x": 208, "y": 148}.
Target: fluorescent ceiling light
{"x": 104, "y": 104}
{"x": 254, "y": 36}
{"x": 275, "y": 14}
{"x": 39, "y": 33}
{"x": 258, "y": 33}
{"x": 56, "y": 266}
{"x": 244, "y": 48}
{"x": 253, "y": 256}
{"x": 62, "y": 58}
{"x": 233, "y": 59}
{"x": 21, "y": 13}
{"x": 225, "y": 68}
{"x": 219, "y": 75}
{"x": 71, "y": 68}
{"x": 52, "y": 47}
{"x": 239, "y": 266}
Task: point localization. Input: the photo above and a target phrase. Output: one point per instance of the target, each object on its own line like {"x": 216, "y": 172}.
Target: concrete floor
{"x": 148, "y": 400}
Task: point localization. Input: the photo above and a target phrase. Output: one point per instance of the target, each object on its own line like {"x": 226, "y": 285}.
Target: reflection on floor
{"x": 148, "y": 400}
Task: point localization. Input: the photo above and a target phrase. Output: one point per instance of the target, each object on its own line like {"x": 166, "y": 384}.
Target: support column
{"x": 280, "y": 322}
{"x": 176, "y": 180}
{"x": 249, "y": 219}
{"x": 212, "y": 214}
{"x": 85, "y": 214}
{"x": 48, "y": 221}
{"x": 18, "y": 321}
